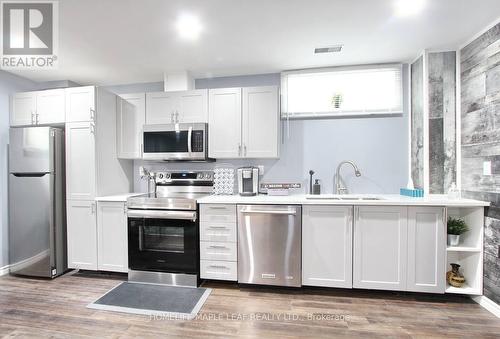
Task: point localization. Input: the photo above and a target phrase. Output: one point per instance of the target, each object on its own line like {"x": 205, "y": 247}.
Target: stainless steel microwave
{"x": 175, "y": 142}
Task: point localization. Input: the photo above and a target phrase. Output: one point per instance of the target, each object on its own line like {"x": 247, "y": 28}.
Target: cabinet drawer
{"x": 218, "y": 213}
{"x": 210, "y": 250}
{"x": 218, "y": 231}
{"x": 218, "y": 270}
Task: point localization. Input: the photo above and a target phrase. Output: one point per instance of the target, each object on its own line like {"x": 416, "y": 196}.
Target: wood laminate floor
{"x": 57, "y": 309}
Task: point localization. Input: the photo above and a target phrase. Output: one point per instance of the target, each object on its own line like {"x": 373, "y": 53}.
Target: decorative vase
{"x": 454, "y": 277}
{"x": 453, "y": 239}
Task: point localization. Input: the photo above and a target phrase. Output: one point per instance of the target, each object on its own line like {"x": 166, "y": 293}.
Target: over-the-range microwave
{"x": 173, "y": 142}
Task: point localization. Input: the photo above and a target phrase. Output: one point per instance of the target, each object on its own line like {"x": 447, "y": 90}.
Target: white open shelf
{"x": 469, "y": 253}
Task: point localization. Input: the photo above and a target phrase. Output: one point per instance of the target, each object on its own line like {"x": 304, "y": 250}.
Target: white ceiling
{"x": 126, "y": 41}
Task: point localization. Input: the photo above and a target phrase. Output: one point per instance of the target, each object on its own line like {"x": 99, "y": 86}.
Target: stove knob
{"x": 199, "y": 176}
{"x": 160, "y": 176}
{"x": 167, "y": 175}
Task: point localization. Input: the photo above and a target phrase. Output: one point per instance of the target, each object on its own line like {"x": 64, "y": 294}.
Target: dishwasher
{"x": 269, "y": 245}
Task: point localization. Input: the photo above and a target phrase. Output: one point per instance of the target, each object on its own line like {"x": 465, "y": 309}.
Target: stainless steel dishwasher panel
{"x": 269, "y": 244}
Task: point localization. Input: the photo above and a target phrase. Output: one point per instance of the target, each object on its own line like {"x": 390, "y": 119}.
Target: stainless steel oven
{"x": 175, "y": 142}
{"x": 163, "y": 241}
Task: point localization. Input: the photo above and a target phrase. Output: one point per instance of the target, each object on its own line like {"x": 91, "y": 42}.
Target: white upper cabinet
{"x": 243, "y": 122}
{"x": 131, "y": 111}
{"x": 224, "y": 123}
{"x": 23, "y": 107}
{"x": 193, "y": 106}
{"x": 380, "y": 247}
{"x": 82, "y": 234}
{"x": 80, "y": 161}
{"x": 426, "y": 249}
{"x": 80, "y": 104}
{"x": 38, "y": 108}
{"x": 327, "y": 246}
{"x": 160, "y": 107}
{"x": 50, "y": 106}
{"x": 172, "y": 107}
{"x": 260, "y": 122}
{"x": 112, "y": 254}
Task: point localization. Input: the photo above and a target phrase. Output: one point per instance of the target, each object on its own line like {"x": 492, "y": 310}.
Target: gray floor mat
{"x": 151, "y": 299}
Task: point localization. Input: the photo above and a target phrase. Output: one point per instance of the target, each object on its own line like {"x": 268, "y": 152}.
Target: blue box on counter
{"x": 414, "y": 193}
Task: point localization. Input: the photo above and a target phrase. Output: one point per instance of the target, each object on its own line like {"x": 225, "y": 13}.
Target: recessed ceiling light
{"x": 409, "y": 7}
{"x": 330, "y": 49}
{"x": 188, "y": 26}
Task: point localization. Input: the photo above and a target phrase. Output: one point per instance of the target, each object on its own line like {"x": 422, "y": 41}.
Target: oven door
{"x": 175, "y": 142}
{"x": 163, "y": 242}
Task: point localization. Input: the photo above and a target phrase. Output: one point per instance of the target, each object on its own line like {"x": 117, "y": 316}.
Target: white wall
{"x": 9, "y": 83}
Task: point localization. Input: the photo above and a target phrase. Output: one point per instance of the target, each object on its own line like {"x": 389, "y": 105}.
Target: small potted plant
{"x": 456, "y": 227}
{"x": 337, "y": 100}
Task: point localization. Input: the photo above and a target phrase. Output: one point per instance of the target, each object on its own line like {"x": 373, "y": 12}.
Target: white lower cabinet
{"x": 380, "y": 247}
{"x": 82, "y": 234}
{"x": 327, "y": 246}
{"x": 112, "y": 237}
{"x": 426, "y": 249}
{"x": 218, "y": 242}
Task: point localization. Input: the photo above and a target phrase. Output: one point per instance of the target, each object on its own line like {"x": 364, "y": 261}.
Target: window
{"x": 341, "y": 91}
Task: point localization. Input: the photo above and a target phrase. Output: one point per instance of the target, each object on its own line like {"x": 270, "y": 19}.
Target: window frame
{"x": 340, "y": 113}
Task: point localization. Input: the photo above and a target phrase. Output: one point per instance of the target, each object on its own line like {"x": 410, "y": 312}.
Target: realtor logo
{"x": 29, "y": 34}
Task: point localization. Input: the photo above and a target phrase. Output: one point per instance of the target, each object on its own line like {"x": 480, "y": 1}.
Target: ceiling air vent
{"x": 331, "y": 49}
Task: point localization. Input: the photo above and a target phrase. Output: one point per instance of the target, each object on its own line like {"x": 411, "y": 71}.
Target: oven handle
{"x": 285, "y": 212}
{"x": 149, "y": 214}
{"x": 190, "y": 134}
{"x": 141, "y": 234}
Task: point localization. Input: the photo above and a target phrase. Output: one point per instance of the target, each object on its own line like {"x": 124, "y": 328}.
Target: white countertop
{"x": 385, "y": 200}
{"x": 119, "y": 197}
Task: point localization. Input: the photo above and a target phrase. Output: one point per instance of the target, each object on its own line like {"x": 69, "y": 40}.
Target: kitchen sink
{"x": 341, "y": 197}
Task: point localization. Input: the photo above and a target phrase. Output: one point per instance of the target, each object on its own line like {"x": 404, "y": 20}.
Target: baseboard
{"x": 488, "y": 304}
{"x": 4, "y": 270}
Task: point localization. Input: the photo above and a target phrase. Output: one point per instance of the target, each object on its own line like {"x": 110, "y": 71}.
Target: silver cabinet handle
{"x": 176, "y": 116}
{"x": 245, "y": 150}
{"x": 92, "y": 208}
{"x": 217, "y": 208}
{"x": 216, "y": 246}
{"x": 218, "y": 266}
{"x": 189, "y": 141}
{"x": 92, "y": 114}
{"x": 36, "y": 118}
{"x": 92, "y": 128}
{"x": 172, "y": 117}
{"x": 269, "y": 212}
{"x": 239, "y": 150}
{"x": 217, "y": 227}
{"x": 125, "y": 208}
{"x": 32, "y": 118}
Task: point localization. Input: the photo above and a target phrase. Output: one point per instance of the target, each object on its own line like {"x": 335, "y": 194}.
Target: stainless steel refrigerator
{"x": 37, "y": 212}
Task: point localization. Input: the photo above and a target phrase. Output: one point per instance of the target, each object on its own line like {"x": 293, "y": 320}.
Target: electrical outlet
{"x": 486, "y": 167}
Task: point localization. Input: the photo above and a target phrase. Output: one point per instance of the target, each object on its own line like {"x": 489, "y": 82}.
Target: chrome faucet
{"x": 339, "y": 188}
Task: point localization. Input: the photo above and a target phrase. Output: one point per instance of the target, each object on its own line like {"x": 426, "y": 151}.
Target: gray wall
{"x": 378, "y": 145}
{"x": 9, "y": 83}
{"x": 480, "y": 87}
{"x": 417, "y": 122}
{"x": 442, "y": 124}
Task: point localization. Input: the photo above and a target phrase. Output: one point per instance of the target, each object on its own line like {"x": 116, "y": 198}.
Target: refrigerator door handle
{"x": 29, "y": 175}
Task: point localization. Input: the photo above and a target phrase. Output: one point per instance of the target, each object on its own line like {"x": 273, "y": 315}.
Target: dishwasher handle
{"x": 282, "y": 212}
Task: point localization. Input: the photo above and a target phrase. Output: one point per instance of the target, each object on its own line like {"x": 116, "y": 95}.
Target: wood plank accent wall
{"x": 480, "y": 128}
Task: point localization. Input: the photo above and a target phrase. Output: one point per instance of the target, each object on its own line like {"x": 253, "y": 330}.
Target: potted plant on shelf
{"x": 456, "y": 227}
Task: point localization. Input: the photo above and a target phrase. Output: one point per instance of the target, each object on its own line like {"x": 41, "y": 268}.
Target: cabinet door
{"x": 131, "y": 111}
{"x": 327, "y": 246}
{"x": 260, "y": 122}
{"x": 22, "y": 110}
{"x": 80, "y": 161}
{"x": 50, "y": 106}
{"x": 112, "y": 237}
{"x": 80, "y": 104}
{"x": 161, "y": 107}
{"x": 426, "y": 249}
{"x": 380, "y": 247}
{"x": 81, "y": 235}
{"x": 193, "y": 106}
{"x": 224, "y": 121}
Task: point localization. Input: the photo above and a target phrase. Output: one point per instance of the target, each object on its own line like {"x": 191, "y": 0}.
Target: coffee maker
{"x": 248, "y": 181}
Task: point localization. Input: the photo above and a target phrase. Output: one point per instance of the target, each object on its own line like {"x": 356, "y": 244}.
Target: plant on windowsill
{"x": 456, "y": 227}
{"x": 337, "y": 101}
